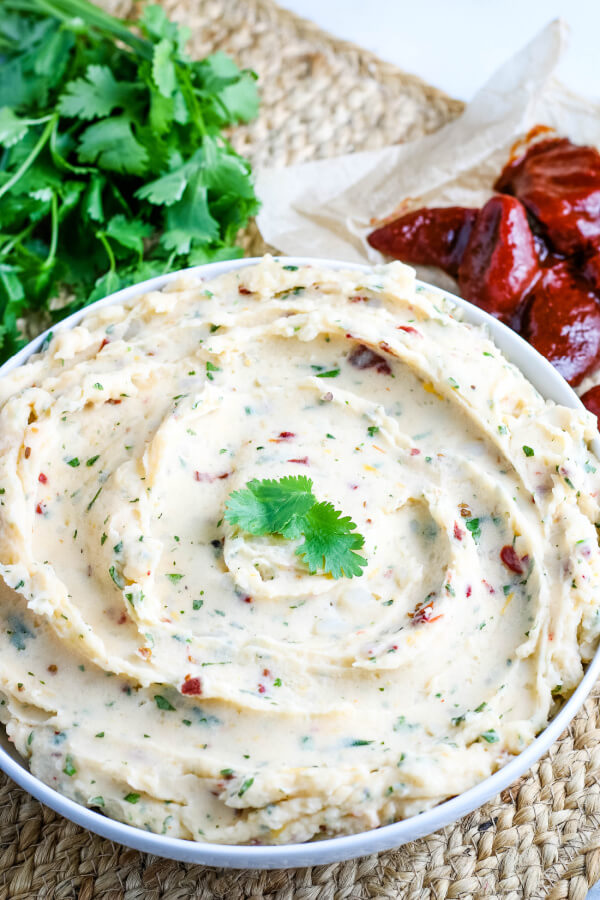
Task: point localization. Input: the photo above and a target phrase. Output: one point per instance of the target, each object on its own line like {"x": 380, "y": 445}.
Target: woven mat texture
{"x": 540, "y": 838}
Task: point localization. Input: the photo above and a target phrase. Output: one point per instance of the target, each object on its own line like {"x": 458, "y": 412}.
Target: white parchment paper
{"x": 327, "y": 208}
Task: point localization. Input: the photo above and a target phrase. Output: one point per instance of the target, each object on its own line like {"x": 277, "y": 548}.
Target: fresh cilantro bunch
{"x": 289, "y": 508}
{"x": 113, "y": 165}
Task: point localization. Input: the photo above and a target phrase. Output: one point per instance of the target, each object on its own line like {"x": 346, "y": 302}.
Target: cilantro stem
{"x": 4, "y": 251}
{"x": 29, "y": 160}
{"x": 95, "y": 17}
{"x": 54, "y": 234}
{"x": 109, "y": 251}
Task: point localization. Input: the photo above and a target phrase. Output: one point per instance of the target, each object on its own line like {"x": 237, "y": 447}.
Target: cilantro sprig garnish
{"x": 113, "y": 167}
{"x": 288, "y": 507}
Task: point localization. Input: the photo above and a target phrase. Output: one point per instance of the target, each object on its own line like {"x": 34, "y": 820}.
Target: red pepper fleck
{"x": 105, "y": 341}
{"x": 303, "y": 461}
{"x": 469, "y": 590}
{"x": 358, "y": 299}
{"x": 409, "y": 330}
{"x": 146, "y": 652}
{"x": 491, "y": 590}
{"x": 247, "y": 598}
{"x": 42, "y": 478}
{"x": 40, "y": 509}
{"x": 386, "y": 348}
{"x": 27, "y": 452}
{"x": 424, "y": 615}
{"x": 114, "y": 401}
{"x": 207, "y": 476}
{"x": 122, "y": 619}
{"x": 511, "y": 560}
{"x": 261, "y": 689}
{"x": 283, "y": 436}
{"x": 266, "y": 673}
{"x": 192, "y": 686}
{"x": 414, "y": 451}
{"x": 243, "y": 290}
{"x": 458, "y": 534}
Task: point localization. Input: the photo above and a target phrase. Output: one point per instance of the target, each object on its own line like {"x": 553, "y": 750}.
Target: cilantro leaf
{"x": 190, "y": 219}
{"x": 96, "y": 95}
{"x": 271, "y": 507}
{"x": 129, "y": 233}
{"x": 12, "y": 127}
{"x": 163, "y": 68}
{"x": 288, "y": 507}
{"x": 113, "y": 157}
{"x": 111, "y": 143}
{"x": 169, "y": 188}
{"x": 329, "y": 542}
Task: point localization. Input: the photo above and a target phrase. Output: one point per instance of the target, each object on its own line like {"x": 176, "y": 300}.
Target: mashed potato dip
{"x": 182, "y": 675}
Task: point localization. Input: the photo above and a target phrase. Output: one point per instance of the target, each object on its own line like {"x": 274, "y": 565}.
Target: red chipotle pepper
{"x": 427, "y": 237}
{"x": 563, "y": 322}
{"x": 591, "y": 400}
{"x": 559, "y": 183}
{"x": 512, "y": 561}
{"x": 499, "y": 263}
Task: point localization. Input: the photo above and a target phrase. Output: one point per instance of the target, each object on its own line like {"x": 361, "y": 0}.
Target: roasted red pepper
{"x": 499, "y": 263}
{"x": 563, "y": 321}
{"x": 427, "y": 237}
{"x": 559, "y": 183}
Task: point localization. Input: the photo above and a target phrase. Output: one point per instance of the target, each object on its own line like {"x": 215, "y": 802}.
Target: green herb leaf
{"x": 329, "y": 542}
{"x": 111, "y": 143}
{"x": 245, "y": 786}
{"x": 163, "y": 703}
{"x": 289, "y": 508}
{"x": 270, "y": 506}
{"x": 95, "y": 95}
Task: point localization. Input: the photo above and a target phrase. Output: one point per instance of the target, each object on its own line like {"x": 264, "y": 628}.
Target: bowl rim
{"x": 552, "y": 386}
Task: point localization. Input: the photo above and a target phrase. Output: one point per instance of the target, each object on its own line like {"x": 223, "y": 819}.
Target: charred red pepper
{"x": 563, "y": 322}
{"x": 559, "y": 183}
{"x": 427, "y": 237}
{"x": 499, "y": 263}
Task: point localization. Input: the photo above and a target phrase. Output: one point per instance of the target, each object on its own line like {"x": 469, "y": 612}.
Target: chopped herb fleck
{"x": 245, "y": 786}
{"x": 163, "y": 703}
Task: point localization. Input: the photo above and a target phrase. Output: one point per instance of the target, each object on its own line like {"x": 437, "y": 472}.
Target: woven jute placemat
{"x": 541, "y": 838}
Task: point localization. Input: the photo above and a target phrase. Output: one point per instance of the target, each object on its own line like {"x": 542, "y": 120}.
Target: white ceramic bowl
{"x": 551, "y": 385}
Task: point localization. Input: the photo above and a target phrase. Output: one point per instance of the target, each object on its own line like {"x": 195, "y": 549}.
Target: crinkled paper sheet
{"x": 326, "y": 208}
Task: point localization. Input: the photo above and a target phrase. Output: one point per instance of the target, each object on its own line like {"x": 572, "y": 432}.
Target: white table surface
{"x": 457, "y": 44}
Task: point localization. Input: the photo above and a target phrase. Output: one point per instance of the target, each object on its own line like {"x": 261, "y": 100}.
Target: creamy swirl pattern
{"x": 197, "y": 681}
